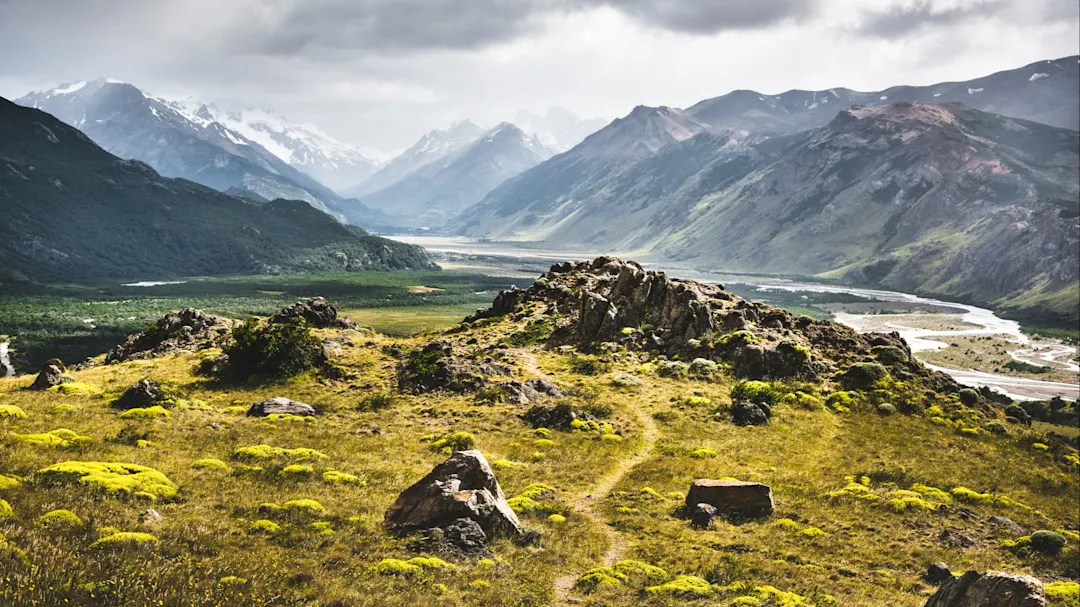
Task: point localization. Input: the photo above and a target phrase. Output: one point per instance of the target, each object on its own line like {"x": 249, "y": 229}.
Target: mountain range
{"x": 910, "y": 190}
{"x": 200, "y": 143}
{"x": 75, "y": 212}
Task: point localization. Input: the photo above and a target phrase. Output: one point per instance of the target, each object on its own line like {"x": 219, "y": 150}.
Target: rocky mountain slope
{"x": 433, "y": 146}
{"x": 440, "y": 189}
{"x": 937, "y": 199}
{"x": 587, "y": 440}
{"x": 1045, "y": 91}
{"x": 304, "y": 147}
{"x": 73, "y": 212}
{"x": 179, "y": 140}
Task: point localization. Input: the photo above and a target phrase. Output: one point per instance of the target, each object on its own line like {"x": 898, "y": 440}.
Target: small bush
{"x": 968, "y": 397}
{"x": 59, "y": 520}
{"x": 673, "y": 369}
{"x": 886, "y": 409}
{"x": 862, "y": 376}
{"x": 210, "y": 465}
{"x": 458, "y": 441}
{"x": 378, "y": 402}
{"x": 755, "y": 392}
{"x": 683, "y": 586}
{"x": 1047, "y": 542}
{"x": 11, "y": 411}
{"x": 341, "y": 478}
{"x": 277, "y": 454}
{"x": 626, "y": 380}
{"x": 268, "y": 349}
{"x": 296, "y": 472}
{"x": 703, "y": 368}
{"x": 586, "y": 366}
{"x": 124, "y": 540}
{"x": 61, "y": 438}
{"x": 155, "y": 412}
{"x": 889, "y": 355}
{"x": 264, "y": 527}
{"x": 111, "y": 477}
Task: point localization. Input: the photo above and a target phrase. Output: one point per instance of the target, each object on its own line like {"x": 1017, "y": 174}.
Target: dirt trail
{"x": 585, "y": 505}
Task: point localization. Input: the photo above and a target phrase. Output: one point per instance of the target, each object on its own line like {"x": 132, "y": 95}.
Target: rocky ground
{"x": 607, "y": 437}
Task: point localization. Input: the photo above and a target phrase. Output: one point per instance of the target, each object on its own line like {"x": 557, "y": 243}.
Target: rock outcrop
{"x": 523, "y": 393}
{"x": 186, "y": 330}
{"x": 282, "y": 406}
{"x": 733, "y": 498}
{"x": 463, "y": 486}
{"x": 317, "y": 312}
{"x": 435, "y": 368}
{"x": 553, "y": 417}
{"x": 750, "y": 414}
{"x": 990, "y": 589}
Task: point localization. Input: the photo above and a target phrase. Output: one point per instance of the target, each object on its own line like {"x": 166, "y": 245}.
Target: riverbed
{"x": 981, "y": 320}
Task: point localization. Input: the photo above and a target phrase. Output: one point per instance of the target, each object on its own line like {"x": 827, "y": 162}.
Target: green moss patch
{"x": 61, "y": 438}
{"x": 113, "y": 478}
{"x": 124, "y": 540}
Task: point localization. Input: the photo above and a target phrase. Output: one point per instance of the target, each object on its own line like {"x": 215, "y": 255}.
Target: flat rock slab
{"x": 463, "y": 486}
{"x": 736, "y": 498}
{"x": 990, "y": 589}
{"x": 282, "y": 406}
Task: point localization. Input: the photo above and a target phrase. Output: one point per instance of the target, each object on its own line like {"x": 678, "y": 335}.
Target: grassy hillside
{"x": 864, "y": 500}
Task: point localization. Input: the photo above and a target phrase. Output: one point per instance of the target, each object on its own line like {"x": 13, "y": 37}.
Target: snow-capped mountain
{"x": 438, "y": 190}
{"x": 185, "y": 140}
{"x": 305, "y": 146}
{"x": 433, "y": 146}
{"x": 558, "y": 128}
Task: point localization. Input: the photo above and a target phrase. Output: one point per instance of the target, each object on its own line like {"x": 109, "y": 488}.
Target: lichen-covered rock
{"x": 737, "y": 498}
{"x": 463, "y": 537}
{"x": 184, "y": 330}
{"x": 280, "y": 405}
{"x": 317, "y": 312}
{"x": 463, "y": 486}
{"x": 990, "y": 589}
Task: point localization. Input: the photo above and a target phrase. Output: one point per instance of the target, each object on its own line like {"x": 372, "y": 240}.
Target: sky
{"x": 380, "y": 73}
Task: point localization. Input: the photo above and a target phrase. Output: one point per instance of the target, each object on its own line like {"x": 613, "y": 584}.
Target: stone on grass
{"x": 749, "y": 414}
{"x": 937, "y": 573}
{"x": 990, "y": 589}
{"x": 142, "y": 395}
{"x": 280, "y": 405}
{"x": 735, "y": 498}
{"x": 463, "y": 486}
{"x": 50, "y": 375}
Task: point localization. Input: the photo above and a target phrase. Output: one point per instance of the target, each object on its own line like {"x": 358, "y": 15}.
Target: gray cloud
{"x": 712, "y": 16}
{"x": 901, "y": 21}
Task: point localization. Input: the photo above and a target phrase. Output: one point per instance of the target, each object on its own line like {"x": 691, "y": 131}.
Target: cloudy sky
{"x": 379, "y": 73}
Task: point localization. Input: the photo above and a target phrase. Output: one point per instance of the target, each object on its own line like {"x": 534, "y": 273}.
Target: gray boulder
{"x": 463, "y": 486}
{"x": 736, "y": 498}
{"x": 141, "y": 395}
{"x": 749, "y": 414}
{"x": 50, "y": 375}
{"x": 990, "y": 589}
{"x": 703, "y": 516}
{"x": 937, "y": 573}
{"x": 280, "y": 405}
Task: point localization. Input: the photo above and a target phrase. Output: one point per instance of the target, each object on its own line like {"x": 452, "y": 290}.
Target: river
{"x": 6, "y": 370}
{"x": 984, "y": 321}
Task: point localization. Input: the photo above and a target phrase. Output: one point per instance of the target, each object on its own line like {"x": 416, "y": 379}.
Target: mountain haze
{"x": 74, "y": 212}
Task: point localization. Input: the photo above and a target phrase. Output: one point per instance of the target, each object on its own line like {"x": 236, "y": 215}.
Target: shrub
{"x": 611, "y": 438}
{"x": 9, "y": 481}
{"x": 277, "y": 454}
{"x": 862, "y": 376}
{"x": 341, "y": 478}
{"x": 586, "y": 365}
{"x": 754, "y": 391}
{"x": 155, "y": 412}
{"x": 259, "y": 347}
{"x": 803, "y": 401}
{"x": 6, "y": 510}
{"x": 505, "y": 464}
{"x": 457, "y": 441}
{"x": 124, "y": 540}
{"x": 704, "y": 453}
{"x": 557, "y": 519}
{"x": 304, "y": 507}
{"x": 59, "y": 520}
{"x": 968, "y": 397}
{"x": 11, "y": 411}
{"x": 112, "y": 478}
{"x": 264, "y": 527}
{"x": 1047, "y": 542}
{"x": 64, "y": 409}
{"x": 995, "y": 428}
{"x": 683, "y": 586}
{"x": 377, "y": 402}
{"x": 296, "y": 472}
{"x": 626, "y": 380}
{"x": 410, "y": 567}
{"x": 543, "y": 443}
{"x": 811, "y": 532}
{"x": 61, "y": 438}
{"x": 673, "y": 369}
{"x": 703, "y": 368}
{"x": 889, "y": 355}
{"x": 1063, "y": 594}
{"x": 210, "y": 465}
{"x": 886, "y": 409}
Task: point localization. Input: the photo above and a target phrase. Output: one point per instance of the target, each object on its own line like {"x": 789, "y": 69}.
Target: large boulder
{"x": 280, "y": 405}
{"x": 463, "y": 486}
{"x": 184, "y": 330}
{"x": 733, "y": 498}
{"x": 317, "y": 312}
{"x": 141, "y": 395}
{"x": 52, "y": 374}
{"x": 990, "y": 589}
